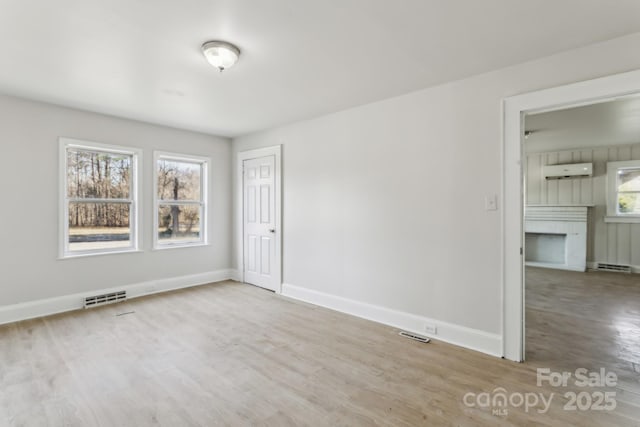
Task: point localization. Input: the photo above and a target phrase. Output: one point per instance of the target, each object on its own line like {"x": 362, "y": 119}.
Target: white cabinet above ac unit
{"x": 576, "y": 170}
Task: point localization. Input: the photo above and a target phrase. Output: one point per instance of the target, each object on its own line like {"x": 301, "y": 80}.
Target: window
{"x": 623, "y": 191}
{"x": 99, "y": 198}
{"x": 180, "y": 200}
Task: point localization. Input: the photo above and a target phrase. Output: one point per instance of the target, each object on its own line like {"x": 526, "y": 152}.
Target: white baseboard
{"x": 462, "y": 336}
{"x": 235, "y": 275}
{"x": 45, "y": 307}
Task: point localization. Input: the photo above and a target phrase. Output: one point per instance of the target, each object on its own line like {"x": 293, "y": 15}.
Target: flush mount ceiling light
{"x": 221, "y": 55}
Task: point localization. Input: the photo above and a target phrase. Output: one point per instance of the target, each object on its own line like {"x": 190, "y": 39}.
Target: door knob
{"x": 272, "y": 230}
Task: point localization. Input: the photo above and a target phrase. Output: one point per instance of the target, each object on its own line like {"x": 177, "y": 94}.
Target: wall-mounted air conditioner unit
{"x": 576, "y": 170}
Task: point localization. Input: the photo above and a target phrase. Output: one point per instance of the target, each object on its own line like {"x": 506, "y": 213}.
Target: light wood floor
{"x": 589, "y": 320}
{"x": 232, "y": 354}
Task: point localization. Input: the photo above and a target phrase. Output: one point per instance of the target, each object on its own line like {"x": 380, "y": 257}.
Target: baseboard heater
{"x": 414, "y": 337}
{"x": 110, "y": 298}
{"x": 618, "y": 268}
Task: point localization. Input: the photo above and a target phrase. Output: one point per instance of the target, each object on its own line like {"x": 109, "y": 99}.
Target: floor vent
{"x": 614, "y": 267}
{"x": 414, "y": 337}
{"x": 105, "y": 299}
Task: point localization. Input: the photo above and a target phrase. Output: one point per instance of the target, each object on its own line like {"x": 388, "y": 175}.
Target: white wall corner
{"x": 234, "y": 274}
{"x": 45, "y": 307}
{"x": 462, "y": 336}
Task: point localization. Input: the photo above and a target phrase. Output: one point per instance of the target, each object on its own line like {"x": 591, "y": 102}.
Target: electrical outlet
{"x": 430, "y": 329}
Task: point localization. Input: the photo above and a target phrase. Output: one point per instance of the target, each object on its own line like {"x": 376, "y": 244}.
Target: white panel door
{"x": 260, "y": 223}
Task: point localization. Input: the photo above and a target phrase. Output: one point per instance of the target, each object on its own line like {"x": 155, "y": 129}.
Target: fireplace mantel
{"x": 556, "y": 236}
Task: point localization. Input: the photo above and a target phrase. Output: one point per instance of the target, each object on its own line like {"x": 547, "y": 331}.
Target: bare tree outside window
{"x": 179, "y": 201}
{"x": 98, "y": 200}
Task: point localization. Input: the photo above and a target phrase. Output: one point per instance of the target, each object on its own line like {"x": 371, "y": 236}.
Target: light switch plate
{"x": 491, "y": 202}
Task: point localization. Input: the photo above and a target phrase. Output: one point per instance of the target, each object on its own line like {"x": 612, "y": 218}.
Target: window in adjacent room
{"x": 99, "y": 198}
{"x": 180, "y": 200}
{"x": 623, "y": 191}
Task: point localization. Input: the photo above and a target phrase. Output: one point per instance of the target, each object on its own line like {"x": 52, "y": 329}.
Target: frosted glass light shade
{"x": 221, "y": 55}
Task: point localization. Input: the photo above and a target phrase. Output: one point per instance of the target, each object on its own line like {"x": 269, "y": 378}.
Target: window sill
{"x": 180, "y": 246}
{"x": 622, "y": 219}
{"x": 84, "y": 255}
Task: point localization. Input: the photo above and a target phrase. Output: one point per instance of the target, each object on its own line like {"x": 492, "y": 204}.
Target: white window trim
{"x": 63, "y": 212}
{"x": 613, "y": 216}
{"x": 204, "y": 198}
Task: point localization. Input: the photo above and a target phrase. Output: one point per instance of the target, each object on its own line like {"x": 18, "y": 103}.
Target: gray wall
{"x": 607, "y": 243}
{"x": 29, "y": 264}
{"x": 384, "y": 204}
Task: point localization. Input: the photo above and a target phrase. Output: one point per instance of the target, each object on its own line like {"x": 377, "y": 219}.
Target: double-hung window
{"x": 99, "y": 198}
{"x": 180, "y": 200}
{"x": 623, "y": 191}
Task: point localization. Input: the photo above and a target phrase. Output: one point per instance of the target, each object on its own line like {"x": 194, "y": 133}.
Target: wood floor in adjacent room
{"x": 232, "y": 354}
{"x": 587, "y": 320}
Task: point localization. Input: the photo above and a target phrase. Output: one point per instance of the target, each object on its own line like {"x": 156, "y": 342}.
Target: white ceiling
{"x": 300, "y": 58}
{"x": 615, "y": 122}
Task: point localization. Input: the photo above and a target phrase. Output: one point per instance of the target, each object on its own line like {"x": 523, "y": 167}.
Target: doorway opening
{"x": 515, "y": 108}
{"x": 581, "y": 180}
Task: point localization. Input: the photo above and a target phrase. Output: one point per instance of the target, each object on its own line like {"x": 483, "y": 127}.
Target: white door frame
{"x": 254, "y": 154}
{"x": 514, "y": 108}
